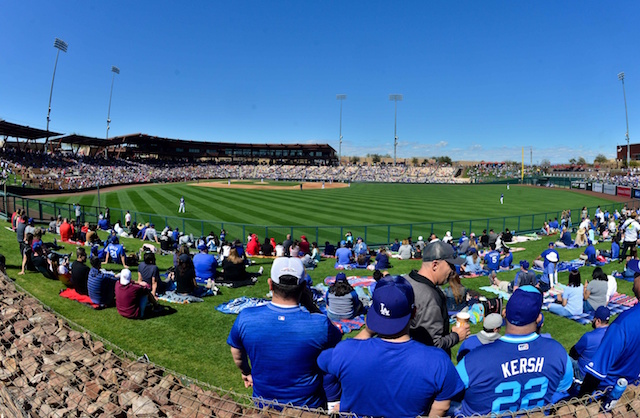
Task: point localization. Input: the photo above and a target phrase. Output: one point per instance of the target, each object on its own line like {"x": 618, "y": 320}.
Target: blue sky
{"x": 480, "y": 79}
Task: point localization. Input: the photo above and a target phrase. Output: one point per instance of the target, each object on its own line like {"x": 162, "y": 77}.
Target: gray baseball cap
{"x": 439, "y": 250}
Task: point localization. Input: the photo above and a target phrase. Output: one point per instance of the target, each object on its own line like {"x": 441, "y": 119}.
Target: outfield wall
{"x": 382, "y": 234}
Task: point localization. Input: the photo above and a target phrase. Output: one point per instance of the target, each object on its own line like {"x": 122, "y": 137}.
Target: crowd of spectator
{"x": 63, "y": 172}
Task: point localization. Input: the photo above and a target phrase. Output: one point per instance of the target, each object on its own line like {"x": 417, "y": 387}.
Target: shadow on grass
{"x": 161, "y": 311}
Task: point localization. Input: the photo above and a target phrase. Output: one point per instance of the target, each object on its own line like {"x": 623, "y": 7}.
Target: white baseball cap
{"x": 125, "y": 277}
{"x": 287, "y": 271}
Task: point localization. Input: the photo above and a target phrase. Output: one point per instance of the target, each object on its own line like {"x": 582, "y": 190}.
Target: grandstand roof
{"x": 140, "y": 138}
{"x": 22, "y": 131}
{"x": 85, "y": 140}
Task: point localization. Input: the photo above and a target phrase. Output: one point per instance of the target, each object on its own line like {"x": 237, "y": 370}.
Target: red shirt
{"x": 253, "y": 247}
{"x": 128, "y": 299}
{"x": 65, "y": 231}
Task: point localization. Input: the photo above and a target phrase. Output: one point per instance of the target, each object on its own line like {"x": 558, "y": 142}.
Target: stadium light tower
{"x": 60, "y": 45}
{"x": 340, "y": 97}
{"x": 396, "y": 98}
{"x": 115, "y": 70}
{"x": 621, "y": 78}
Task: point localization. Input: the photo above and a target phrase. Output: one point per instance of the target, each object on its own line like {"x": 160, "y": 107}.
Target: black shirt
{"x": 79, "y": 277}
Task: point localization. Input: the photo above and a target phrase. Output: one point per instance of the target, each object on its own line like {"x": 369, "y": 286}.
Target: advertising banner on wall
{"x": 597, "y": 187}
{"x": 624, "y": 191}
{"x": 636, "y": 193}
{"x": 609, "y": 188}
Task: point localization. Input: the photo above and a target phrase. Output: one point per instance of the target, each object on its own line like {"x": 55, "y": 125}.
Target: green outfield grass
{"x": 351, "y": 208}
{"x": 192, "y": 339}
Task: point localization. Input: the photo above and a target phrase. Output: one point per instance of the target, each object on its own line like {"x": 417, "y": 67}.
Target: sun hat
{"x": 287, "y": 271}
{"x": 392, "y": 305}
{"x": 524, "y": 306}
{"x": 552, "y": 257}
{"x": 439, "y": 250}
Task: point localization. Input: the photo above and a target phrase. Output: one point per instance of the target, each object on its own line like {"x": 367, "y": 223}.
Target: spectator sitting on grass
{"x": 344, "y": 256}
{"x": 395, "y": 246}
{"x": 523, "y": 277}
{"x": 131, "y": 298}
{"x": 342, "y": 300}
{"x": 569, "y": 303}
{"x": 405, "y": 250}
{"x": 304, "y": 245}
{"x": 151, "y": 234}
{"x": 329, "y": 249}
{"x": 80, "y": 272}
{"x": 382, "y": 260}
{"x": 267, "y": 248}
{"x": 101, "y": 285}
{"x": 595, "y": 292}
{"x": 234, "y": 271}
{"x": 473, "y": 263}
{"x": 582, "y": 352}
{"x": 590, "y": 254}
{"x": 149, "y": 274}
{"x": 253, "y": 246}
{"x": 315, "y": 252}
{"x": 115, "y": 252}
{"x": 205, "y": 263}
{"x": 506, "y": 260}
{"x": 565, "y": 239}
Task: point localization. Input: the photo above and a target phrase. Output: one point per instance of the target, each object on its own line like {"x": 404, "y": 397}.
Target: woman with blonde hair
{"x": 234, "y": 271}
{"x": 404, "y": 252}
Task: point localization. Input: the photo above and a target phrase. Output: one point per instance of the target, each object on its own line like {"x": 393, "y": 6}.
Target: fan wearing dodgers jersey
{"x": 492, "y": 259}
{"x": 521, "y": 370}
{"x": 618, "y": 355}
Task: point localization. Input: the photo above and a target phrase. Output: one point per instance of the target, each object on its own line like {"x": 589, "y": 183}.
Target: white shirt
{"x": 630, "y": 230}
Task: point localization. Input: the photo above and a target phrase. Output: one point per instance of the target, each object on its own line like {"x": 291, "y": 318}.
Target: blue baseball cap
{"x": 524, "y": 264}
{"x": 392, "y": 306}
{"x": 202, "y": 246}
{"x": 602, "y": 313}
{"x": 341, "y": 277}
{"x": 524, "y": 306}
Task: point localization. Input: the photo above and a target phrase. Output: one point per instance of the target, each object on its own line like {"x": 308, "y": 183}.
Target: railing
{"x": 43, "y": 211}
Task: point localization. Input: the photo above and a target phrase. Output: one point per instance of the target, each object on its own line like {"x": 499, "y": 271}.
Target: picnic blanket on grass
{"x": 564, "y": 265}
{"x": 173, "y": 297}
{"x": 235, "y": 306}
{"x": 559, "y": 288}
{"x": 353, "y": 280}
{"x": 623, "y": 299}
{"x": 587, "y": 318}
{"x": 71, "y": 294}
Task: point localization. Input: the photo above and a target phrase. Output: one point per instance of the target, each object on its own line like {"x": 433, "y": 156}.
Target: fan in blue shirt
{"x": 392, "y": 375}
{"x": 520, "y": 371}
{"x": 492, "y": 259}
{"x": 588, "y": 344}
{"x": 276, "y": 346}
{"x": 618, "y": 355}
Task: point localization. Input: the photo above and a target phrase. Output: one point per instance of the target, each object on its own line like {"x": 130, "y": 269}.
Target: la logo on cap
{"x": 384, "y": 311}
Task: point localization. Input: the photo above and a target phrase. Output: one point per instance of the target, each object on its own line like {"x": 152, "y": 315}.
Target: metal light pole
{"x": 60, "y": 45}
{"x": 115, "y": 70}
{"x": 340, "y": 97}
{"x": 621, "y": 78}
{"x": 395, "y": 98}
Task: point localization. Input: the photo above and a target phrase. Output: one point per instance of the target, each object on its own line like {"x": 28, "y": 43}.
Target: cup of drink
{"x": 462, "y": 318}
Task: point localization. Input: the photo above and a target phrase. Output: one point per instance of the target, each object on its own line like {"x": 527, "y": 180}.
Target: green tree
{"x": 572, "y": 161}
{"x": 582, "y": 161}
{"x": 355, "y": 159}
{"x": 600, "y": 159}
{"x": 443, "y": 160}
{"x": 375, "y": 158}
{"x": 546, "y": 163}
{"x": 414, "y": 161}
